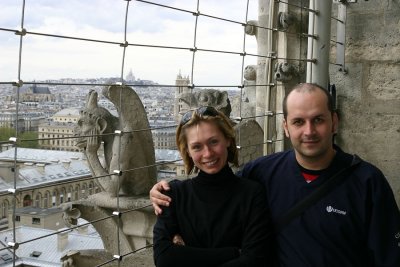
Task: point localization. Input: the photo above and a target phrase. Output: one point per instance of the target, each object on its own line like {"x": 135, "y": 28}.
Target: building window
{"x": 35, "y": 220}
{"x": 37, "y": 201}
{"x": 45, "y": 201}
{"x": 27, "y": 201}
{"x": 17, "y": 218}
{"x": 4, "y": 209}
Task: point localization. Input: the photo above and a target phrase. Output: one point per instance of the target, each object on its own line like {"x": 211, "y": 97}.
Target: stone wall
{"x": 369, "y": 94}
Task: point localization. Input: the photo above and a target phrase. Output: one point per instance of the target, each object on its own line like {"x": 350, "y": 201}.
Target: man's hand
{"x": 177, "y": 240}
{"x": 157, "y": 198}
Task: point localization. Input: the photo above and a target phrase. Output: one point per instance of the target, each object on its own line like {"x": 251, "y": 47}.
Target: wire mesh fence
{"x": 63, "y": 45}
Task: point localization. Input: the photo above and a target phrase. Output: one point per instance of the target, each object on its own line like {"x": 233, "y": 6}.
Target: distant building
{"x": 164, "y": 138}
{"x": 130, "y": 77}
{"x": 32, "y": 94}
{"x": 45, "y": 218}
{"x": 163, "y": 133}
{"x": 43, "y": 247}
{"x": 45, "y": 178}
{"x": 68, "y": 115}
{"x": 8, "y": 120}
{"x": 105, "y": 103}
{"x": 58, "y": 133}
{"x": 169, "y": 164}
{"x": 27, "y": 120}
{"x": 182, "y": 84}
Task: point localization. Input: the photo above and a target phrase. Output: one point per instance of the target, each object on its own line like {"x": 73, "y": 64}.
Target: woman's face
{"x": 207, "y": 146}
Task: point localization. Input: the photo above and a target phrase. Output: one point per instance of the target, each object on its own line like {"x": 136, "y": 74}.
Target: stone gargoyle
{"x": 125, "y": 175}
{"x": 97, "y": 125}
{"x": 208, "y": 97}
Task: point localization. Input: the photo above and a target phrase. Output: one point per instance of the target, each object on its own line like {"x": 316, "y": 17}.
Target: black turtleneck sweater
{"x": 222, "y": 219}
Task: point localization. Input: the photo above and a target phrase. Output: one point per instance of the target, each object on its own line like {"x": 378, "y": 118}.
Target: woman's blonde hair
{"x": 194, "y": 117}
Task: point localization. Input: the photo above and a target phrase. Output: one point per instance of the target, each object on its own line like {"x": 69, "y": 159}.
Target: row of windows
{"x": 158, "y": 142}
{"x": 57, "y": 142}
{"x": 58, "y": 130}
{"x": 66, "y": 148}
{"x": 170, "y": 135}
{"x": 66, "y": 119}
{"x": 34, "y": 220}
{"x": 164, "y": 143}
{"x": 54, "y": 198}
{"x": 51, "y": 135}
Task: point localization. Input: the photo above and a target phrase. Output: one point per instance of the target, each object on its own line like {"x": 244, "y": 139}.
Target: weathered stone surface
{"x": 249, "y": 136}
{"x": 208, "y": 97}
{"x": 368, "y": 95}
{"x": 382, "y": 81}
{"x": 97, "y": 127}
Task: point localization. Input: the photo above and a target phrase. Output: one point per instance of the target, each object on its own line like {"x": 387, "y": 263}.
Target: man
{"x": 356, "y": 224}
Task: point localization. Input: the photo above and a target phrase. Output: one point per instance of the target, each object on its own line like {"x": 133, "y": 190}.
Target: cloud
{"x": 50, "y": 58}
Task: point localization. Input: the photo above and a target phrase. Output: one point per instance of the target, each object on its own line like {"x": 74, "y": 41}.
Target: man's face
{"x": 310, "y": 126}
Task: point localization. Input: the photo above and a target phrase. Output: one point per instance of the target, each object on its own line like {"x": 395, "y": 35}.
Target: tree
{"x": 32, "y": 136}
{"x": 7, "y": 132}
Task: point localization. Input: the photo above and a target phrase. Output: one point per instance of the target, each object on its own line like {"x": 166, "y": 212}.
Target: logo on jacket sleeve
{"x": 330, "y": 209}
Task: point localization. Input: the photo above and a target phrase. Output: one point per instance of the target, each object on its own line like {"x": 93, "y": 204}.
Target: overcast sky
{"x": 53, "y": 58}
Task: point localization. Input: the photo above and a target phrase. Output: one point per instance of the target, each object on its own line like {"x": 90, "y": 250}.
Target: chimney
{"x": 83, "y": 230}
{"x": 62, "y": 239}
{"x": 41, "y": 167}
{"x": 66, "y": 164}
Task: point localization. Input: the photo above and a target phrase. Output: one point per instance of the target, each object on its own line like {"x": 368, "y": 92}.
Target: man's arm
{"x": 384, "y": 224}
{"x": 157, "y": 198}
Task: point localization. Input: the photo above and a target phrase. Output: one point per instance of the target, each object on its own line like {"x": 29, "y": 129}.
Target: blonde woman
{"x": 215, "y": 218}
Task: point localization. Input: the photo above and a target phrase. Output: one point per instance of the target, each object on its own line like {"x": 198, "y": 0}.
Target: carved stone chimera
{"x": 126, "y": 176}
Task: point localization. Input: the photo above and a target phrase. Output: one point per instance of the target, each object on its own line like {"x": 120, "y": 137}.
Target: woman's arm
{"x": 166, "y": 253}
{"x": 258, "y": 246}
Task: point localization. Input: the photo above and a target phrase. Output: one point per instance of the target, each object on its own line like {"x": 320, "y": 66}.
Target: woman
{"x": 215, "y": 218}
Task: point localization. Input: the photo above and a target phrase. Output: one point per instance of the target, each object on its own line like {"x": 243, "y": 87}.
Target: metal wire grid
{"x": 22, "y": 32}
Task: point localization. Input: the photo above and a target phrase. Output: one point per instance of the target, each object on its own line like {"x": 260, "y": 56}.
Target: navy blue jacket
{"x": 357, "y": 224}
